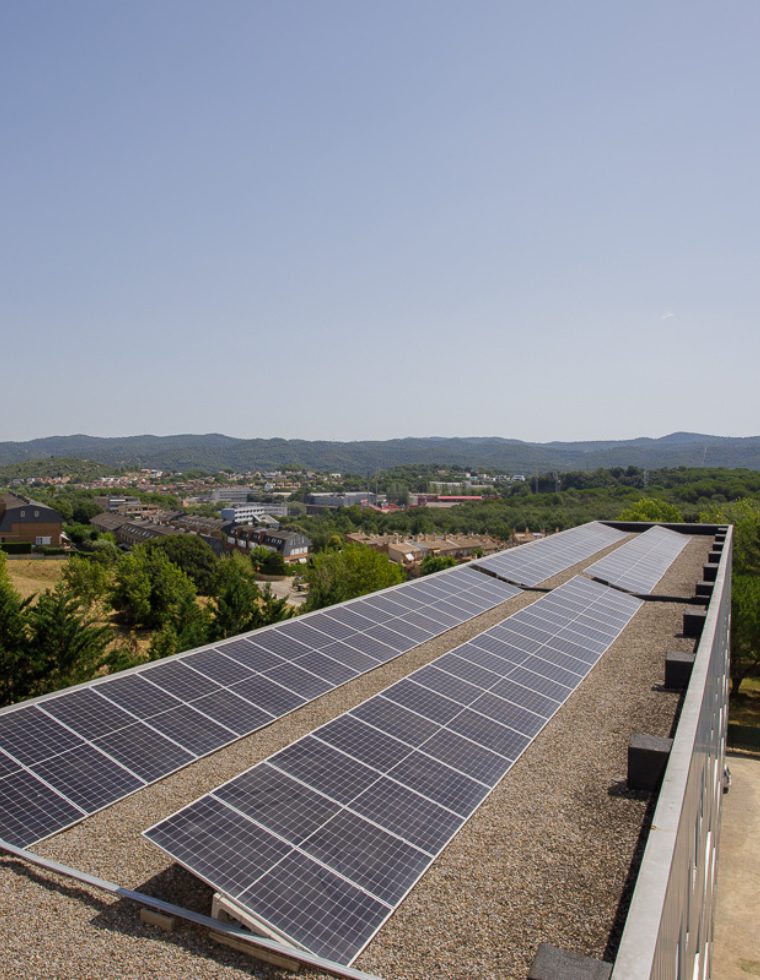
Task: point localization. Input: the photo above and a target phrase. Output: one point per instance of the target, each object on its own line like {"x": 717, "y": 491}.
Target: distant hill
{"x": 214, "y": 452}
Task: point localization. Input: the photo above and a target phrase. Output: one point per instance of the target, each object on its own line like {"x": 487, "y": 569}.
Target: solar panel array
{"x": 640, "y": 564}
{"x": 539, "y": 560}
{"x": 323, "y": 840}
{"x": 65, "y": 756}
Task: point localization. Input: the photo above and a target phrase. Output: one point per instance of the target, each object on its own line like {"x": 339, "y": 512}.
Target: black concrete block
{"x": 710, "y": 572}
{"x": 694, "y": 621}
{"x": 647, "y": 759}
{"x": 705, "y": 588}
{"x": 678, "y": 666}
{"x": 551, "y": 963}
{"x": 714, "y": 557}
{"x": 720, "y": 538}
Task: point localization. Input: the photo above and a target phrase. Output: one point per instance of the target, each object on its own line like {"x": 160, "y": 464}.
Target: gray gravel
{"x": 545, "y": 858}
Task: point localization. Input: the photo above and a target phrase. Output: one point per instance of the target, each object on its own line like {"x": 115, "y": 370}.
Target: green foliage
{"x": 64, "y": 646}
{"x": 745, "y": 629}
{"x": 267, "y": 561}
{"x": 190, "y": 553}
{"x": 87, "y": 579}
{"x": 150, "y": 591}
{"x": 436, "y": 563}
{"x": 104, "y": 551}
{"x": 335, "y": 576}
{"x": 80, "y": 533}
{"x": 651, "y": 509}
{"x": 745, "y": 516}
{"x": 45, "y": 646}
{"x": 238, "y": 605}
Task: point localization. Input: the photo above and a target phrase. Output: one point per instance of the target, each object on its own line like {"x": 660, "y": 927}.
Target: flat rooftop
{"x": 546, "y": 858}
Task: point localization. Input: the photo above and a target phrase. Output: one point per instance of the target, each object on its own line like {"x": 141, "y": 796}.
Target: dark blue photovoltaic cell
{"x": 440, "y": 783}
{"x": 266, "y": 694}
{"x": 137, "y": 696}
{"x": 366, "y": 744}
{"x": 220, "y": 846}
{"x": 349, "y": 916}
{"x": 192, "y": 730}
{"x": 89, "y": 714}
{"x": 29, "y": 810}
{"x": 181, "y": 681}
{"x": 219, "y": 667}
{"x": 398, "y": 775}
{"x": 369, "y": 856}
{"x": 395, "y": 720}
{"x": 278, "y": 802}
{"x": 147, "y": 753}
{"x": 232, "y": 711}
{"x": 88, "y": 778}
{"x": 320, "y": 765}
{"x": 30, "y": 736}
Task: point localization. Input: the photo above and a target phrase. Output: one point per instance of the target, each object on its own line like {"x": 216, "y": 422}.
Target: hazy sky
{"x": 346, "y": 219}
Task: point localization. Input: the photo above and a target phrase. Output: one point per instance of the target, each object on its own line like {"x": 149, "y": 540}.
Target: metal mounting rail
{"x": 196, "y": 918}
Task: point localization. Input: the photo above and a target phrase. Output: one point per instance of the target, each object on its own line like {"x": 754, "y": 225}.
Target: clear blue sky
{"x": 344, "y": 220}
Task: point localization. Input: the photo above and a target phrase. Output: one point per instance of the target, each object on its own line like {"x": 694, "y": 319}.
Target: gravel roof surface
{"x": 544, "y": 859}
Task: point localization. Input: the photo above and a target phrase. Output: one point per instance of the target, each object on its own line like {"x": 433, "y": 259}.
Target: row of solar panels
{"x": 70, "y": 754}
{"x": 323, "y": 840}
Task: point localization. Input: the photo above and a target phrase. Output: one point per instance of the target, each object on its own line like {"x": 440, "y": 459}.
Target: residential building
{"x": 27, "y": 521}
{"x": 293, "y": 547}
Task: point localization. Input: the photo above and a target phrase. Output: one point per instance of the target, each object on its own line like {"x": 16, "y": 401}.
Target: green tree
{"x": 12, "y": 639}
{"x": 436, "y": 563}
{"x": 64, "y": 646}
{"x": 651, "y": 509}
{"x": 150, "y": 590}
{"x": 745, "y": 629}
{"x": 745, "y": 516}
{"x": 235, "y": 599}
{"x": 335, "y": 576}
{"x": 87, "y": 579}
{"x": 190, "y": 553}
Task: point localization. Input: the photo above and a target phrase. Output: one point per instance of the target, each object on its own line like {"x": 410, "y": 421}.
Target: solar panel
{"x": 639, "y": 564}
{"x": 87, "y": 747}
{"x": 531, "y": 563}
{"x": 366, "y": 802}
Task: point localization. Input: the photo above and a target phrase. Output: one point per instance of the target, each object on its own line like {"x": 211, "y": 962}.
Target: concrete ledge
{"x": 710, "y": 572}
{"x": 152, "y": 918}
{"x": 694, "y": 621}
{"x": 551, "y": 963}
{"x": 705, "y": 588}
{"x": 647, "y": 759}
{"x": 678, "y": 666}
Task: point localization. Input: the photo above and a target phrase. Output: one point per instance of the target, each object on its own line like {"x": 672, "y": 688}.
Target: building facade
{"x": 25, "y": 521}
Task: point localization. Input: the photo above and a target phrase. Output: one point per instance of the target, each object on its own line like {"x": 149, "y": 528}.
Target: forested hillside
{"x": 214, "y": 452}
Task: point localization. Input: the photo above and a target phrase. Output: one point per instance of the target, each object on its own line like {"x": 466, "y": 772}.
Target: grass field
{"x": 32, "y": 575}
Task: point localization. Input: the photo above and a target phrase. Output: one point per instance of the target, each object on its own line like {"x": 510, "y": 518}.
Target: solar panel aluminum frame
{"x": 260, "y": 920}
{"x": 99, "y": 685}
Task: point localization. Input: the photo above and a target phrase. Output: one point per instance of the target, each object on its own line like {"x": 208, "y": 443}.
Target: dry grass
{"x": 30, "y": 576}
